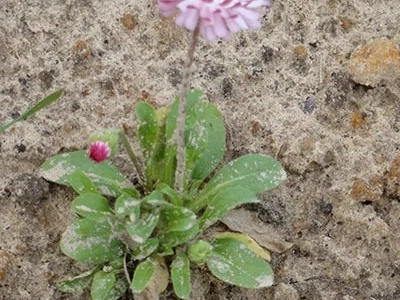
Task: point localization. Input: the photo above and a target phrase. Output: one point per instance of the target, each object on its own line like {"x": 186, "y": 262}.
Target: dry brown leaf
{"x": 246, "y": 222}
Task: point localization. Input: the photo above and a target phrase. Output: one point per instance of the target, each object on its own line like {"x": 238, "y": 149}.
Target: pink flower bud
{"x": 99, "y": 151}
{"x": 218, "y": 18}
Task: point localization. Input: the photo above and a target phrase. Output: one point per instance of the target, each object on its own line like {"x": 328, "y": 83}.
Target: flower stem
{"x": 132, "y": 156}
{"x": 180, "y": 129}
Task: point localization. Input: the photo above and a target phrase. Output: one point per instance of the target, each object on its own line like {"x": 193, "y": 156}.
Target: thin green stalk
{"x": 132, "y": 156}
{"x": 180, "y": 129}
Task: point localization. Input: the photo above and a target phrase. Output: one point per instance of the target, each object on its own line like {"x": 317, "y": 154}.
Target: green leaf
{"x": 131, "y": 192}
{"x": 126, "y": 205}
{"x": 154, "y": 200}
{"x": 233, "y": 262}
{"x": 92, "y": 242}
{"x": 248, "y": 241}
{"x": 104, "y": 176}
{"x": 172, "y": 195}
{"x": 177, "y": 225}
{"x": 101, "y": 285}
{"x": 223, "y": 202}
{"x": 254, "y": 172}
{"x": 151, "y": 135}
{"x": 40, "y": 105}
{"x": 148, "y": 128}
{"x": 117, "y": 264}
{"x": 204, "y": 139}
{"x": 165, "y": 251}
{"x": 177, "y": 218}
{"x": 76, "y": 284}
{"x": 142, "y": 276}
{"x": 180, "y": 274}
{"x": 91, "y": 206}
{"x": 144, "y": 250}
{"x": 141, "y": 230}
{"x": 175, "y": 238}
{"x": 81, "y": 183}
{"x": 119, "y": 289}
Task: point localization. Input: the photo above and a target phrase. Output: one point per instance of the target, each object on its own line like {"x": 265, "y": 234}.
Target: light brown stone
{"x": 301, "y": 50}
{"x": 371, "y": 190}
{"x": 346, "y": 23}
{"x": 356, "y": 119}
{"x": 377, "y": 60}
{"x": 129, "y": 21}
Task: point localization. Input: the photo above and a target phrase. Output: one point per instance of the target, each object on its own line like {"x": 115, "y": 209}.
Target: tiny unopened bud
{"x": 200, "y": 252}
{"x": 99, "y": 151}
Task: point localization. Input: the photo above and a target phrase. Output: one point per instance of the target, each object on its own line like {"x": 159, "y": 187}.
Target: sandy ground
{"x": 289, "y": 90}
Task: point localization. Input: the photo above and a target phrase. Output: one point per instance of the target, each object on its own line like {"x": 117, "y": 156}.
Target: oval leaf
{"x": 254, "y": 172}
{"x": 101, "y": 285}
{"x": 159, "y": 280}
{"x": 204, "y": 139}
{"x": 233, "y": 262}
{"x": 126, "y": 205}
{"x": 142, "y": 276}
{"x": 177, "y": 225}
{"x": 104, "y": 176}
{"x": 76, "y": 284}
{"x": 145, "y": 249}
{"x": 175, "y": 238}
{"x": 177, "y": 218}
{"x": 91, "y": 206}
{"x": 248, "y": 241}
{"x": 81, "y": 183}
{"x": 224, "y": 201}
{"x": 119, "y": 289}
{"x": 89, "y": 241}
{"x": 180, "y": 274}
{"x": 141, "y": 230}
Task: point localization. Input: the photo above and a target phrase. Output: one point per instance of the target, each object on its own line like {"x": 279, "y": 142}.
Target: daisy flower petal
{"x": 218, "y": 18}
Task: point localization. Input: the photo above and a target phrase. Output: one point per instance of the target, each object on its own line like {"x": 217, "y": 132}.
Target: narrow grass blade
{"x": 42, "y": 104}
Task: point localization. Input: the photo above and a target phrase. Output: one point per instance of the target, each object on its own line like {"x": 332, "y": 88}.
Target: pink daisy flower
{"x": 218, "y": 18}
{"x": 99, "y": 151}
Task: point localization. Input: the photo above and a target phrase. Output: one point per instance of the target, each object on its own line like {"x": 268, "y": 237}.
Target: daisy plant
{"x": 140, "y": 237}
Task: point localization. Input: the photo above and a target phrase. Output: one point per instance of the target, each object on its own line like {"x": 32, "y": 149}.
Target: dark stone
{"x": 267, "y": 54}
{"x": 338, "y": 90}
{"x": 227, "y": 87}
{"x": 20, "y": 148}
{"x": 309, "y": 106}
{"x": 75, "y": 106}
{"x": 46, "y": 78}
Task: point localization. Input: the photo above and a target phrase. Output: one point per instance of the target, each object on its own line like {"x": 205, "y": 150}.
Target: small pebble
{"x": 301, "y": 51}
{"x": 377, "y": 60}
{"x": 367, "y": 191}
{"x": 309, "y": 106}
{"x": 129, "y": 21}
